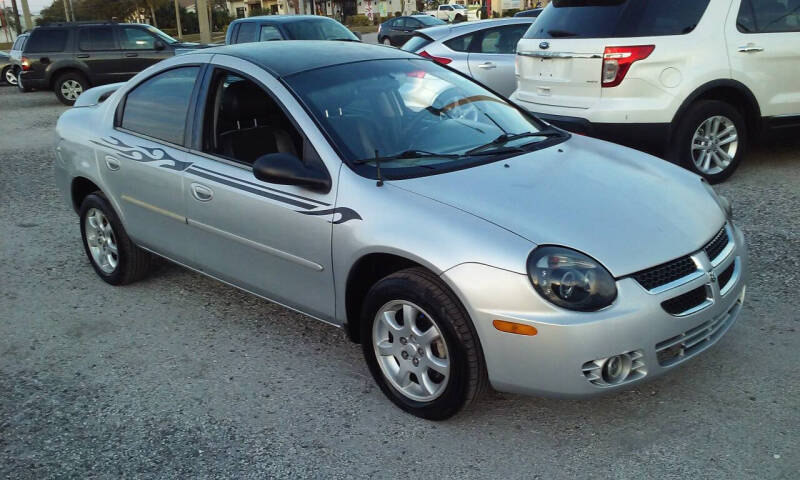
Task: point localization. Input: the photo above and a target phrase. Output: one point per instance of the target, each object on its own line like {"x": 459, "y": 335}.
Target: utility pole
{"x": 66, "y": 11}
{"x": 16, "y": 17}
{"x": 202, "y": 19}
{"x": 27, "y": 13}
{"x": 178, "y": 20}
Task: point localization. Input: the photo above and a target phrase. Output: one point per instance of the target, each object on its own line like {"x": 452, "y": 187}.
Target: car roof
{"x": 282, "y": 18}
{"x": 287, "y": 58}
{"x": 441, "y": 31}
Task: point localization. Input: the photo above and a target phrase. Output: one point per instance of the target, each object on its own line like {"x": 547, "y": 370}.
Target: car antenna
{"x": 378, "y": 166}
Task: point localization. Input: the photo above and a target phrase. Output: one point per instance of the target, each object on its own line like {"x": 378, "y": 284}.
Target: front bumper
{"x": 557, "y": 361}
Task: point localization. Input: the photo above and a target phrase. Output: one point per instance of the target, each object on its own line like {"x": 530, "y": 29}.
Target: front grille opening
{"x": 725, "y": 276}
{"x": 687, "y": 301}
{"x": 665, "y": 273}
{"x": 717, "y": 244}
{"x": 680, "y": 347}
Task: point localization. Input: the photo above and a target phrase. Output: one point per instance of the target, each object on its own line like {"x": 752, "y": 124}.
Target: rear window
{"x": 416, "y": 43}
{"x": 47, "y": 41}
{"x": 96, "y": 38}
{"x": 617, "y": 18}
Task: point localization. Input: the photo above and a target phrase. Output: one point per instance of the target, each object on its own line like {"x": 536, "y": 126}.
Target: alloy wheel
{"x": 101, "y": 241}
{"x": 386, "y": 41}
{"x": 411, "y": 350}
{"x": 11, "y": 78}
{"x": 714, "y": 145}
{"x": 71, "y": 90}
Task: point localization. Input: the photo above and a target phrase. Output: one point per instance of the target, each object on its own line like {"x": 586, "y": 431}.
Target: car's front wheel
{"x": 9, "y": 76}
{"x": 113, "y": 255}
{"x": 69, "y": 86}
{"x": 711, "y": 140}
{"x": 420, "y": 345}
{"x": 386, "y": 41}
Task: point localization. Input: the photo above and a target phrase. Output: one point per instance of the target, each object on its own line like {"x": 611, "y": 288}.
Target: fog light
{"x": 616, "y": 369}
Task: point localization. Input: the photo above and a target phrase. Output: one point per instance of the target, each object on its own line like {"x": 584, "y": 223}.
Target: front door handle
{"x": 487, "y": 66}
{"x": 82, "y": 55}
{"x": 750, "y": 47}
{"x": 201, "y": 192}
{"x": 112, "y": 163}
{"x": 131, "y": 54}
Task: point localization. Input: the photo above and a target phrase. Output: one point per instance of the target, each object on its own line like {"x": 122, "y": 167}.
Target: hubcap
{"x": 10, "y": 77}
{"x": 386, "y": 41}
{"x": 714, "y": 144}
{"x": 101, "y": 240}
{"x": 71, "y": 89}
{"x": 411, "y": 350}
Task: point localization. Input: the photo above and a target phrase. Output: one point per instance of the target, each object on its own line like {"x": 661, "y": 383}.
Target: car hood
{"x": 628, "y": 210}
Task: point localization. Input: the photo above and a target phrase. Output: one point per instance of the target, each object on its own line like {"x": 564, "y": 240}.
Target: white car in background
{"x": 692, "y": 80}
{"x": 484, "y": 50}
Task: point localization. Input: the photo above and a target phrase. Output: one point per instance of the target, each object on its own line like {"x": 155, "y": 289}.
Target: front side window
{"x": 447, "y": 8}
{"x": 502, "y": 40}
{"x": 416, "y": 116}
{"x": 269, "y": 33}
{"x": 132, "y": 38}
{"x": 96, "y": 38}
{"x": 413, "y": 23}
{"x": 247, "y": 32}
{"x": 157, "y": 107}
{"x": 768, "y": 16}
{"x": 243, "y": 122}
{"x": 47, "y": 40}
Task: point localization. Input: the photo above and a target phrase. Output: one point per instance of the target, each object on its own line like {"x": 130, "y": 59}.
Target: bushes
{"x": 359, "y": 20}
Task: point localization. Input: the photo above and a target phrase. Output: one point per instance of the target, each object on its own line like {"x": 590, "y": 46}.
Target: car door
{"x": 142, "y": 160}
{"x": 273, "y": 240}
{"x": 397, "y": 30}
{"x": 411, "y": 25}
{"x": 491, "y": 57}
{"x": 99, "y": 51}
{"x": 763, "y": 38}
{"x": 140, "y": 49}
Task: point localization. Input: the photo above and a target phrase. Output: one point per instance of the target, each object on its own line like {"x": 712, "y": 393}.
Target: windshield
{"x": 318, "y": 29}
{"x": 158, "y": 33}
{"x": 459, "y": 7}
{"x": 414, "y": 115}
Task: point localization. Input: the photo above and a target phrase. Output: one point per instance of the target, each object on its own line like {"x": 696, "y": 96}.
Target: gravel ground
{"x": 181, "y": 376}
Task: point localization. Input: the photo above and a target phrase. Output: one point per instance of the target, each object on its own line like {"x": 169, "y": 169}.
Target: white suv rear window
{"x": 617, "y": 18}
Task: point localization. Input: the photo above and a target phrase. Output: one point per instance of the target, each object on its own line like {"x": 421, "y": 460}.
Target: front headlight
{"x": 722, "y": 201}
{"x": 571, "y": 279}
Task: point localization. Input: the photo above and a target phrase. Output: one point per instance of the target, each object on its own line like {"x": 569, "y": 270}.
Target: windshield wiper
{"x": 510, "y": 137}
{"x": 408, "y": 154}
{"x": 561, "y": 33}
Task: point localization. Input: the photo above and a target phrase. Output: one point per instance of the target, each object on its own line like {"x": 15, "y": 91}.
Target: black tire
{"x": 65, "y": 78}
{"x": 692, "y": 119}
{"x": 20, "y": 86}
{"x": 132, "y": 262}
{"x": 468, "y": 378}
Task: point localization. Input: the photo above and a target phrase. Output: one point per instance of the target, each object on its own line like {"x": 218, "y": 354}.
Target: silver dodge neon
{"x": 461, "y": 241}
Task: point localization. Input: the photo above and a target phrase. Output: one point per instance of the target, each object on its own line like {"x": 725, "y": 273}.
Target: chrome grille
{"x": 717, "y": 244}
{"x": 689, "y": 302}
{"x": 665, "y": 273}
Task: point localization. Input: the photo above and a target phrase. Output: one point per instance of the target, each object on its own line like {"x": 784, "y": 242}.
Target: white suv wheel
{"x": 714, "y": 144}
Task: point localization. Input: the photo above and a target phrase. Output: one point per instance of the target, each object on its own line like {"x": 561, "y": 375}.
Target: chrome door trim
{"x": 153, "y": 208}
{"x": 546, "y": 54}
{"x": 258, "y": 246}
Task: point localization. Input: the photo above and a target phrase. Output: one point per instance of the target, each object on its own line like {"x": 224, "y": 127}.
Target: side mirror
{"x": 159, "y": 45}
{"x": 286, "y": 169}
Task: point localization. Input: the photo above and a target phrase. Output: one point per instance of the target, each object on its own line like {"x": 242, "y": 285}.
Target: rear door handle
{"x": 201, "y": 192}
{"x": 82, "y": 55}
{"x": 750, "y": 47}
{"x": 112, "y": 163}
{"x": 487, "y": 66}
{"x": 131, "y": 54}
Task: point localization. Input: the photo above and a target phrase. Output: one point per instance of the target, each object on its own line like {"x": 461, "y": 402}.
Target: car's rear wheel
{"x": 420, "y": 345}
{"x": 115, "y": 258}
{"x": 8, "y": 75}
{"x": 22, "y": 88}
{"x": 69, "y": 86}
{"x": 711, "y": 140}
{"x": 386, "y": 41}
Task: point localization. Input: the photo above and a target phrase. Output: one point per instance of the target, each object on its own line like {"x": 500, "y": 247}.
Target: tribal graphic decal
{"x": 346, "y": 214}
{"x": 143, "y": 154}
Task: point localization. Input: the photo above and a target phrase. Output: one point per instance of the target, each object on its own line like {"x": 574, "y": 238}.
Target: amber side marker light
{"x": 516, "y": 328}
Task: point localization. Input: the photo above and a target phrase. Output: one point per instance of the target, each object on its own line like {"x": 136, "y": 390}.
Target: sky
{"x": 34, "y": 5}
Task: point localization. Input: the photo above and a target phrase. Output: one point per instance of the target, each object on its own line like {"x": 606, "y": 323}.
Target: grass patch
{"x": 364, "y": 29}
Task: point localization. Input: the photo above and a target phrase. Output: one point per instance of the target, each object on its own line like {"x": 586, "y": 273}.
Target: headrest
{"x": 244, "y": 100}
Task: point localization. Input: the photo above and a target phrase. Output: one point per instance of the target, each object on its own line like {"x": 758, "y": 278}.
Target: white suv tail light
{"x": 618, "y": 60}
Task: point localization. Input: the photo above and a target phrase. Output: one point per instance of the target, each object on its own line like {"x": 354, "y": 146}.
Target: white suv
{"x": 690, "y": 80}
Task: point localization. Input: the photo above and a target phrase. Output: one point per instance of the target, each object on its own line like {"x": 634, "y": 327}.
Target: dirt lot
{"x": 180, "y": 376}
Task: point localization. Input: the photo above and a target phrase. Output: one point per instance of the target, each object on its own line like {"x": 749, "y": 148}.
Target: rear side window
{"x": 157, "y": 107}
{"x": 47, "y": 41}
{"x": 617, "y": 18}
{"x": 416, "y": 43}
{"x": 502, "y": 40}
{"x": 768, "y": 16}
{"x": 247, "y": 32}
{"x": 96, "y": 38}
{"x": 460, "y": 43}
{"x": 133, "y": 38}
{"x": 268, "y": 33}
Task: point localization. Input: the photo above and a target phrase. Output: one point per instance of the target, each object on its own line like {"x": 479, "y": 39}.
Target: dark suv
{"x": 71, "y": 57}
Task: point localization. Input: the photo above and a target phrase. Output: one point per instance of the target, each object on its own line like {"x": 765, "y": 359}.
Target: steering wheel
{"x": 456, "y": 106}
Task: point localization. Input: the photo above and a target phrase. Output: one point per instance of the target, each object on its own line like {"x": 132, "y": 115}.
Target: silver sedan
{"x": 485, "y": 50}
{"x": 460, "y": 240}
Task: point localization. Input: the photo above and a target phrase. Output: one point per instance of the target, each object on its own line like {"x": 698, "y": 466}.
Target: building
{"x": 337, "y": 9}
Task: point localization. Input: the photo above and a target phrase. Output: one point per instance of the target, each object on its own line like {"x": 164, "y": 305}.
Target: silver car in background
{"x": 485, "y": 50}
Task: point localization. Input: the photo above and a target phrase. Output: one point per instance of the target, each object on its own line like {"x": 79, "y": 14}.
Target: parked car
{"x": 453, "y": 13}
{"x": 396, "y": 31}
{"x": 287, "y": 27}
{"x": 6, "y": 69}
{"x": 463, "y": 242}
{"x": 70, "y": 57}
{"x": 695, "y": 81}
{"x": 14, "y": 58}
{"x": 534, "y": 12}
{"x": 484, "y": 50}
